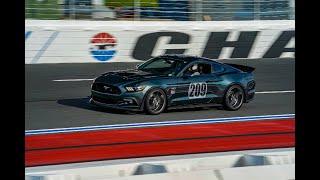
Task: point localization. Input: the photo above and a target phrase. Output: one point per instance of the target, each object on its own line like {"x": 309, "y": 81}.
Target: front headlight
{"x": 135, "y": 89}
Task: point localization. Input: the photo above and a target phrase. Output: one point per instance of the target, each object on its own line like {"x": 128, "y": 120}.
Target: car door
{"x": 198, "y": 89}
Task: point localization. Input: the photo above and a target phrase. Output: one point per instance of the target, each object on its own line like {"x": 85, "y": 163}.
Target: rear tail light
{"x": 251, "y": 85}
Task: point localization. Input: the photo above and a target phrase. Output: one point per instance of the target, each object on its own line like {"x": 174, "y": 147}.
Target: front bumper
{"x": 112, "y": 106}
{"x": 124, "y": 102}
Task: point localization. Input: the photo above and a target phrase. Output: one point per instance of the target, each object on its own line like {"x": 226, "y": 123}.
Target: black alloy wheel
{"x": 234, "y": 98}
{"x": 155, "y": 101}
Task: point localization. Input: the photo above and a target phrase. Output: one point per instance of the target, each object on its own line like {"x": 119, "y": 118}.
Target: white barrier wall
{"x": 66, "y": 41}
{"x": 272, "y": 164}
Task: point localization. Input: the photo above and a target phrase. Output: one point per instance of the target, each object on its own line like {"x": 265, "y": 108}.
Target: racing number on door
{"x": 197, "y": 90}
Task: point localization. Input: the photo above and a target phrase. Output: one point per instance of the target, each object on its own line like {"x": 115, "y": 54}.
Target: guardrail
{"x": 181, "y": 10}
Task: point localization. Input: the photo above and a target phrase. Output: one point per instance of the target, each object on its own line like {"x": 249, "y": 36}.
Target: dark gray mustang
{"x": 173, "y": 81}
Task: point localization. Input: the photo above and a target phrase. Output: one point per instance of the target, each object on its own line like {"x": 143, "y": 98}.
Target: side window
{"x": 217, "y": 68}
{"x": 159, "y": 63}
{"x": 205, "y": 68}
{"x": 198, "y": 69}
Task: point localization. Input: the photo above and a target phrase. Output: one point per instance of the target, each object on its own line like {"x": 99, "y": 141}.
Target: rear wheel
{"x": 233, "y": 98}
{"x": 155, "y": 101}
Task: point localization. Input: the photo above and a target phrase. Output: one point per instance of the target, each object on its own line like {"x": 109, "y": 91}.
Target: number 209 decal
{"x": 197, "y": 90}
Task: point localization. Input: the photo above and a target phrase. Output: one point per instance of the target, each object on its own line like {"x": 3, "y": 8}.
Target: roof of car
{"x": 186, "y": 57}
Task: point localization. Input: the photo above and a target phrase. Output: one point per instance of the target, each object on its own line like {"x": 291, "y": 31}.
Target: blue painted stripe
{"x": 44, "y": 47}
{"x": 27, "y": 34}
{"x": 153, "y": 124}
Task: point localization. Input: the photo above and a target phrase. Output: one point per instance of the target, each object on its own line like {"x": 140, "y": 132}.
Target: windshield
{"x": 163, "y": 66}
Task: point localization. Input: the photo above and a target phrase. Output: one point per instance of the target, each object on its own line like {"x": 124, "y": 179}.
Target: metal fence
{"x": 179, "y": 10}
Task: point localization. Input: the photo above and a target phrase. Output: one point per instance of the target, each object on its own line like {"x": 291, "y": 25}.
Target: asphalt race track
{"x": 58, "y": 104}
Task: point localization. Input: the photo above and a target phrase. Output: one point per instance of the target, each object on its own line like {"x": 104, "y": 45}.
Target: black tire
{"x": 233, "y": 98}
{"x": 155, "y": 101}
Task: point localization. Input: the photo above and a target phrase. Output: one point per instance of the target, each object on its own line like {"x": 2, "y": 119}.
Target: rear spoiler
{"x": 242, "y": 67}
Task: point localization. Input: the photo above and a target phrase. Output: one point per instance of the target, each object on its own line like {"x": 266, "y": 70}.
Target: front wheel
{"x": 155, "y": 101}
{"x": 233, "y": 98}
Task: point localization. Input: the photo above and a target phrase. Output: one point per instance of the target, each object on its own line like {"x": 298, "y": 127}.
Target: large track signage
{"x": 63, "y": 42}
{"x": 214, "y": 45}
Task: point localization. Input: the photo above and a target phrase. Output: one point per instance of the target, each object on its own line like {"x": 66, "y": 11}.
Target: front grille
{"x": 106, "y": 101}
{"x": 106, "y": 88}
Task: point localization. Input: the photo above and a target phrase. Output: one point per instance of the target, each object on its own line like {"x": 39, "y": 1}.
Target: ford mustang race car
{"x": 173, "y": 81}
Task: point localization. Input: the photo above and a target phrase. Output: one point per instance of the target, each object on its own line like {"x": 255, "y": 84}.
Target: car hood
{"x": 122, "y": 77}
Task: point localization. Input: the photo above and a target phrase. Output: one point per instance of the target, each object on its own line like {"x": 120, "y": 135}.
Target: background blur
{"x": 166, "y": 10}
{"x": 68, "y": 43}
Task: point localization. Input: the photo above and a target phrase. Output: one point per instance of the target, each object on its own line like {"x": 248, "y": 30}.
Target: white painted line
{"x": 68, "y": 80}
{"x": 275, "y": 92}
{"x": 161, "y": 123}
